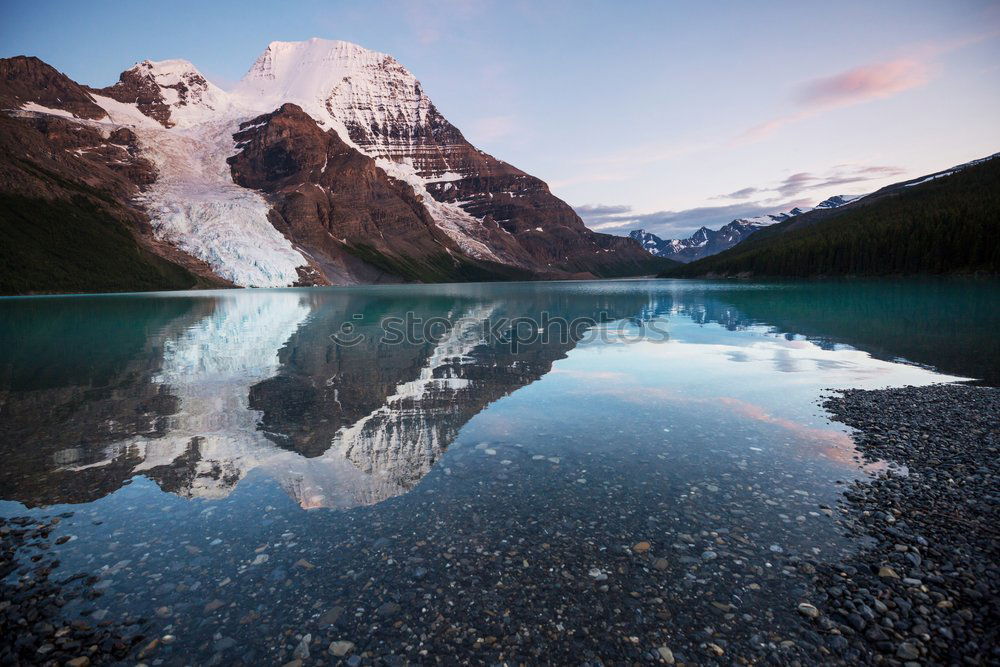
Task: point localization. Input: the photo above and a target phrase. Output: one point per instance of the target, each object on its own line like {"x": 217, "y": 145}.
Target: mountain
{"x": 945, "y": 222}
{"x": 706, "y": 242}
{"x": 326, "y": 164}
{"x": 67, "y": 187}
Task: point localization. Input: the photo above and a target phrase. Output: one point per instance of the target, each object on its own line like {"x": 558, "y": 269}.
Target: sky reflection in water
{"x": 187, "y": 432}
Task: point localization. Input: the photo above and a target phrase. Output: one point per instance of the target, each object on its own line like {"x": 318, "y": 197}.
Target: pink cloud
{"x": 861, "y": 84}
{"x": 855, "y": 86}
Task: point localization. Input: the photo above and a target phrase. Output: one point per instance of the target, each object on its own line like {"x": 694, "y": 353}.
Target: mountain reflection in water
{"x": 194, "y": 391}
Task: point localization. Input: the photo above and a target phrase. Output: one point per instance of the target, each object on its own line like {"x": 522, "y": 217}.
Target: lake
{"x": 522, "y": 471}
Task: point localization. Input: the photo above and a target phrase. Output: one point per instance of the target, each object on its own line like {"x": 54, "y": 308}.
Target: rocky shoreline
{"x": 33, "y": 629}
{"x": 927, "y": 590}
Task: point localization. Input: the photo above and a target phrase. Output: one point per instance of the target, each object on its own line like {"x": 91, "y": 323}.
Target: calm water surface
{"x": 239, "y": 475}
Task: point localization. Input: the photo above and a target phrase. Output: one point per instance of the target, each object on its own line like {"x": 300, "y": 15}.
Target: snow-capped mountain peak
{"x": 335, "y": 115}
{"x": 837, "y": 200}
{"x": 705, "y": 241}
{"x": 166, "y": 72}
{"x": 312, "y": 60}
{"x": 172, "y": 92}
{"x": 366, "y": 96}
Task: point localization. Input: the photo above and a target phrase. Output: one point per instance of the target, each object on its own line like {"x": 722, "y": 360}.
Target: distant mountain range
{"x": 705, "y": 241}
{"x": 944, "y": 223}
{"x": 326, "y": 164}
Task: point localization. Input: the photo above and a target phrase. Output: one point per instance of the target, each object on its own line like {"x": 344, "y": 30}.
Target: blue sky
{"x": 666, "y": 115}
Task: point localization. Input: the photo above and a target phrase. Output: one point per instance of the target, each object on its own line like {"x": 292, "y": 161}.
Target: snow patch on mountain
{"x": 949, "y": 172}
{"x": 194, "y": 205}
{"x": 837, "y": 200}
{"x": 462, "y": 227}
{"x": 125, "y": 115}
{"x": 35, "y": 107}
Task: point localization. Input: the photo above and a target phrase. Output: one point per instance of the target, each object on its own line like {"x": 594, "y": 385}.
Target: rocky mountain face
{"x": 492, "y": 210}
{"x": 336, "y": 204}
{"x": 326, "y": 164}
{"x": 27, "y": 82}
{"x": 706, "y": 242}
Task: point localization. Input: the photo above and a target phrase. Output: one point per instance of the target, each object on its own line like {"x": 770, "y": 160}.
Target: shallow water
{"x": 243, "y": 467}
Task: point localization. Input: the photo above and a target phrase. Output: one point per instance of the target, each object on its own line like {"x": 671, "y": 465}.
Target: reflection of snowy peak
{"x": 210, "y": 369}
{"x": 405, "y": 436}
{"x": 215, "y": 437}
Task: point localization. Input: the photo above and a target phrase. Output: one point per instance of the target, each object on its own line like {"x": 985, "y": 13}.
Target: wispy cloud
{"x": 862, "y": 84}
{"x": 621, "y": 218}
{"x": 799, "y": 189}
{"x": 745, "y": 193}
{"x": 869, "y": 82}
{"x": 805, "y": 181}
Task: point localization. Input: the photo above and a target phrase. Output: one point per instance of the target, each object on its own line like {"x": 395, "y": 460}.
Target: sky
{"x": 661, "y": 115}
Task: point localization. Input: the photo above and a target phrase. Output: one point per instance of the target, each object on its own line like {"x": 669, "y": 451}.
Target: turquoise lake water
{"x": 479, "y": 455}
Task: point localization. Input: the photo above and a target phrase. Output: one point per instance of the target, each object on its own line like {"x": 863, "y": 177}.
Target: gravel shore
{"x": 927, "y": 590}
{"x": 32, "y": 627}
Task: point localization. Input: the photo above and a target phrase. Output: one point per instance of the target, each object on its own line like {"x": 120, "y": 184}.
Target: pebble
{"x": 907, "y": 651}
{"x": 341, "y": 648}
{"x": 666, "y": 655}
{"x": 388, "y": 609}
{"x": 301, "y": 651}
{"x": 809, "y": 610}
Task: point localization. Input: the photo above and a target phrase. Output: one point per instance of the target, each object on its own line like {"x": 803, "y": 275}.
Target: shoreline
{"x": 927, "y": 590}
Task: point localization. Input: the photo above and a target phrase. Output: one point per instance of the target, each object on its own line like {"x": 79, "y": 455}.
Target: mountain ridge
{"x": 487, "y": 219}
{"x": 706, "y": 242}
{"x": 941, "y": 223}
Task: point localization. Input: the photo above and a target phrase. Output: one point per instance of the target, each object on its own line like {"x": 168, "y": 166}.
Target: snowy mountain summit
{"x": 366, "y": 96}
{"x": 327, "y": 163}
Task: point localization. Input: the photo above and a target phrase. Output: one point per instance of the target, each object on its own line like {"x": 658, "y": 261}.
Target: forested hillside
{"x": 947, "y": 224}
